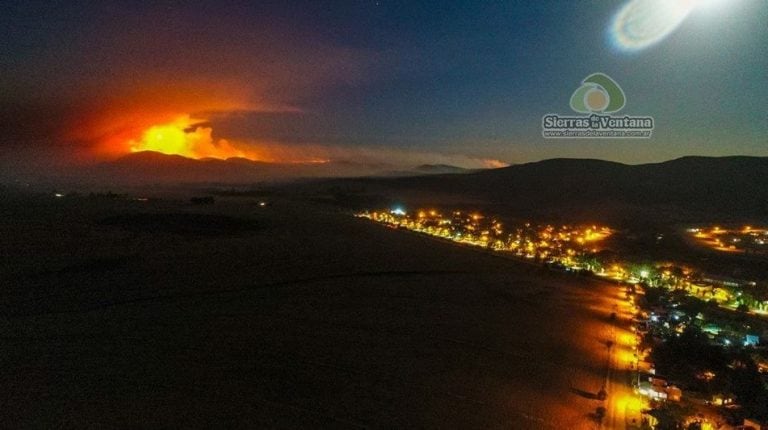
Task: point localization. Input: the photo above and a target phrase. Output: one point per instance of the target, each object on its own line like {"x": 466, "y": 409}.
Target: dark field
{"x": 165, "y": 315}
{"x": 181, "y": 223}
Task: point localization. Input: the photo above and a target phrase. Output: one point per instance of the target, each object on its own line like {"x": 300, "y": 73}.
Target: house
{"x": 674, "y": 393}
{"x": 751, "y": 340}
{"x": 658, "y": 389}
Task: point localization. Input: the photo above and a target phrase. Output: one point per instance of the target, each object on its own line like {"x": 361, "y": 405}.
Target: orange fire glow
{"x": 172, "y": 118}
{"x": 191, "y": 138}
{"x": 154, "y": 118}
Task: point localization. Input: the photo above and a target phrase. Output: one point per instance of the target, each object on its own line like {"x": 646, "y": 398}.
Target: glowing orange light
{"x": 168, "y": 139}
{"x": 192, "y": 138}
{"x": 631, "y": 404}
{"x": 187, "y": 137}
{"x": 627, "y": 339}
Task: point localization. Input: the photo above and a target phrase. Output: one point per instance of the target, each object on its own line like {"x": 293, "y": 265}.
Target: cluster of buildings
{"x": 562, "y": 244}
{"x": 746, "y": 239}
{"x": 577, "y": 249}
{"x": 667, "y": 319}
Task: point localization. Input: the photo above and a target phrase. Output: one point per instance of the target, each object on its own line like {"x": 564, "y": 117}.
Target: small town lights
{"x": 563, "y": 245}
{"x": 398, "y": 211}
{"x": 746, "y": 239}
{"x": 560, "y": 248}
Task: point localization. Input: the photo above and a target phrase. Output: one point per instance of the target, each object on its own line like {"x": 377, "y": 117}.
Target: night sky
{"x": 463, "y": 82}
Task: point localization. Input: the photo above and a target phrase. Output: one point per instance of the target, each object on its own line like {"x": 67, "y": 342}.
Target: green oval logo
{"x": 598, "y": 93}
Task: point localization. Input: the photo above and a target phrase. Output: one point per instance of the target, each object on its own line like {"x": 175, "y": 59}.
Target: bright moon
{"x": 643, "y": 23}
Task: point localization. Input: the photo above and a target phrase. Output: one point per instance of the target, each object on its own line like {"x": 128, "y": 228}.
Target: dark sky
{"x": 450, "y": 78}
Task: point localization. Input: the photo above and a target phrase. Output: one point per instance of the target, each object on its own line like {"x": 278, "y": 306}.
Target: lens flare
{"x": 644, "y": 23}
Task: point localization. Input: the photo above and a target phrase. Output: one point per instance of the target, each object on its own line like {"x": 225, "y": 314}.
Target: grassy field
{"x": 161, "y": 314}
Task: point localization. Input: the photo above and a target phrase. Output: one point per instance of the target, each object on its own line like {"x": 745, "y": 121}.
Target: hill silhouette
{"x": 149, "y": 167}
{"x": 721, "y": 185}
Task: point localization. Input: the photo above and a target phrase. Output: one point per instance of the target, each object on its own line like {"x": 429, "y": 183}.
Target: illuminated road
{"x": 612, "y": 364}
{"x": 622, "y": 405}
{"x": 350, "y": 326}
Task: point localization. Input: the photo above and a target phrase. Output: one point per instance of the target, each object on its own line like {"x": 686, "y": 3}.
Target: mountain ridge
{"x": 733, "y": 184}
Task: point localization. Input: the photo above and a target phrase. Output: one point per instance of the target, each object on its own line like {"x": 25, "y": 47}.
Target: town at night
{"x": 384, "y": 214}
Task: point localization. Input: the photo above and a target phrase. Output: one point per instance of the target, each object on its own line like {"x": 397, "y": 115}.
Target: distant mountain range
{"x": 433, "y": 169}
{"x": 149, "y": 167}
{"x": 671, "y": 190}
{"x": 725, "y": 185}
{"x": 428, "y": 169}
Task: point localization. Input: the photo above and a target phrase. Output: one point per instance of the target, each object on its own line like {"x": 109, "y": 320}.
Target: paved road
{"x": 314, "y": 321}
{"x": 622, "y": 404}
